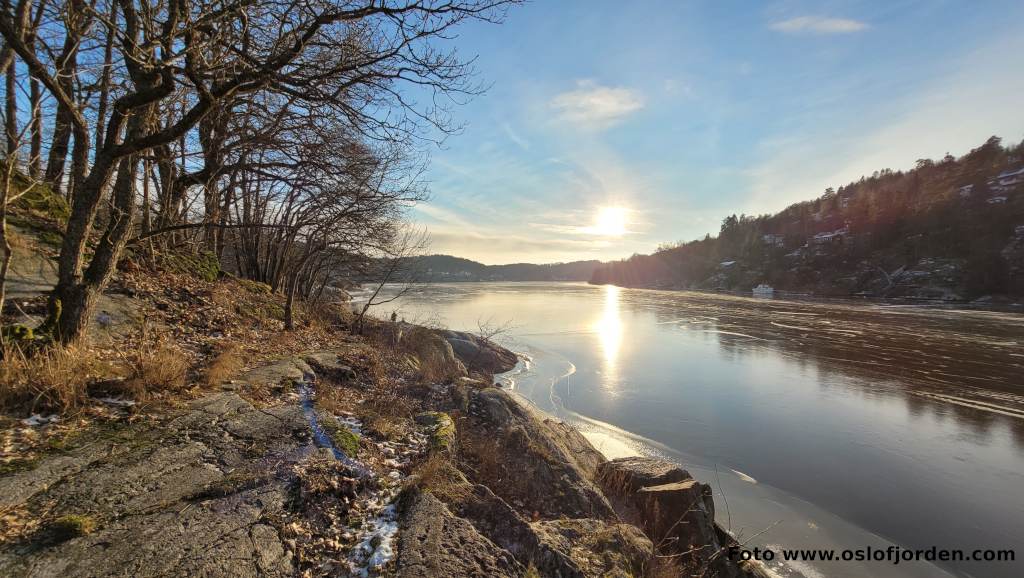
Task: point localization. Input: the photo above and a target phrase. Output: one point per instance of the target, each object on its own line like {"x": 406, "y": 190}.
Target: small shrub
{"x": 386, "y": 427}
{"x": 439, "y": 476}
{"x": 55, "y": 379}
{"x": 72, "y": 526}
{"x": 155, "y": 366}
{"x": 224, "y": 365}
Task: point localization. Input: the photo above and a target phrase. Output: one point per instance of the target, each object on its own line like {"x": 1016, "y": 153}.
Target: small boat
{"x": 764, "y": 290}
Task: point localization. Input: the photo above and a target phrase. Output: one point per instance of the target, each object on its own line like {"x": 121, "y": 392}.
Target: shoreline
{"x": 1010, "y": 307}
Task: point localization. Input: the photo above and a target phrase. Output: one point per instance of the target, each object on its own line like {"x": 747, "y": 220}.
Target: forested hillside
{"x": 950, "y": 229}
{"x": 447, "y": 268}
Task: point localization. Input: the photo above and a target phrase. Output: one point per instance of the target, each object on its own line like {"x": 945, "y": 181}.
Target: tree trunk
{"x": 289, "y": 320}
{"x": 74, "y": 297}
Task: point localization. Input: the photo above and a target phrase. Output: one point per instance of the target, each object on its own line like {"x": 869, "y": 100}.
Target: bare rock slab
{"x": 434, "y": 543}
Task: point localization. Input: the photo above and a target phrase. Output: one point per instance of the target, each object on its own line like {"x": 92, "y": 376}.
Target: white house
{"x": 999, "y": 200}
{"x": 1007, "y": 180}
{"x": 966, "y": 190}
{"x": 773, "y": 240}
{"x": 828, "y": 237}
{"x": 1010, "y": 178}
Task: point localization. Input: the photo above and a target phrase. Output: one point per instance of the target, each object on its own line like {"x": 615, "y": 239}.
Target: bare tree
{"x": 168, "y": 84}
{"x": 394, "y": 266}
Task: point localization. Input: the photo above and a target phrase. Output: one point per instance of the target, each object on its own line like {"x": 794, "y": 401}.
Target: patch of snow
{"x": 116, "y": 401}
{"x": 37, "y": 420}
{"x": 377, "y": 549}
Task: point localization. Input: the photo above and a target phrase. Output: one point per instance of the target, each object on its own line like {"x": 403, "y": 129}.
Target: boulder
{"x": 436, "y": 543}
{"x": 480, "y": 354}
{"x": 675, "y": 511}
{"x": 680, "y": 512}
{"x": 624, "y": 476}
{"x": 540, "y": 466}
{"x": 328, "y": 364}
{"x": 436, "y": 358}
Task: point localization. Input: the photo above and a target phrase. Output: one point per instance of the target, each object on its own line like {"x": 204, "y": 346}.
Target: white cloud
{"x": 595, "y": 106}
{"x": 818, "y": 25}
{"x": 514, "y": 136}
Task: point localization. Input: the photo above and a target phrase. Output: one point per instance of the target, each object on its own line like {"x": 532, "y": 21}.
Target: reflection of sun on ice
{"x": 609, "y": 327}
{"x": 610, "y": 221}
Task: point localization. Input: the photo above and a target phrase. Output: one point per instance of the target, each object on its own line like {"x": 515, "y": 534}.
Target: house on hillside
{"x": 1007, "y": 179}
{"x": 830, "y": 236}
{"x": 996, "y": 200}
{"x": 773, "y": 240}
{"x": 965, "y": 191}
{"x": 1019, "y": 230}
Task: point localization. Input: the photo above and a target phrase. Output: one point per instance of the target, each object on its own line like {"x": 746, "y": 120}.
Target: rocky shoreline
{"x": 476, "y": 484}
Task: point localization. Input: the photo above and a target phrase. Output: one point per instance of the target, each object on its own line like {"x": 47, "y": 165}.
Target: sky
{"x": 678, "y": 113}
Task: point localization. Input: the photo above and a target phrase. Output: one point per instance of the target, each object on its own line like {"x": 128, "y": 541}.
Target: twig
{"x": 724, "y": 499}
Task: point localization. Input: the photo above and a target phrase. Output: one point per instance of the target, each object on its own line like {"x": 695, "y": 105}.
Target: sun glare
{"x": 610, "y": 221}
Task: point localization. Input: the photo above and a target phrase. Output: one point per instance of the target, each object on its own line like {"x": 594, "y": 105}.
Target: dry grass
{"x": 660, "y": 567}
{"x": 157, "y": 365}
{"x": 480, "y": 453}
{"x": 224, "y": 365}
{"x": 324, "y": 316}
{"x": 431, "y": 357}
{"x": 441, "y": 478}
{"x": 54, "y": 380}
{"x": 436, "y": 363}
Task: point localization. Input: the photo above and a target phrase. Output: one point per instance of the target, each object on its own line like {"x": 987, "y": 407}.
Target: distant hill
{"x": 440, "y": 268}
{"x": 951, "y": 229}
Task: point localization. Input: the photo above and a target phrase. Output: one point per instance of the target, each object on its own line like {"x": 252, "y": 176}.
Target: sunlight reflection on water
{"x": 857, "y": 420}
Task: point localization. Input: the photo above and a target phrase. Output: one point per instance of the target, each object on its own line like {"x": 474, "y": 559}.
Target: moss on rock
{"x": 204, "y": 265}
{"x": 254, "y": 287}
{"x": 442, "y": 435}
{"x": 344, "y": 439}
{"x": 17, "y": 333}
{"x": 38, "y": 199}
{"x": 72, "y": 526}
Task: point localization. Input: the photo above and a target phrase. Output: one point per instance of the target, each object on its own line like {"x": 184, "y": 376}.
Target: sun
{"x": 610, "y": 221}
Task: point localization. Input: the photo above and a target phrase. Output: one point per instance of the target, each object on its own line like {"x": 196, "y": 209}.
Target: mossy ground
{"x": 18, "y": 465}
{"x": 203, "y": 265}
{"x": 39, "y": 200}
{"x": 442, "y": 435}
{"x": 344, "y": 439}
{"x": 72, "y": 526}
{"x": 230, "y": 484}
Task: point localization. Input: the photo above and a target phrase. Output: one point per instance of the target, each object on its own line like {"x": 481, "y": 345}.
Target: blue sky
{"x": 683, "y": 112}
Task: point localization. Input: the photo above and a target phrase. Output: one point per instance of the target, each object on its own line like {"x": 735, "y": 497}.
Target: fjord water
{"x": 818, "y": 424}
